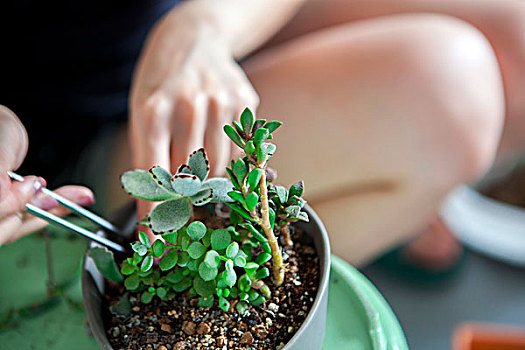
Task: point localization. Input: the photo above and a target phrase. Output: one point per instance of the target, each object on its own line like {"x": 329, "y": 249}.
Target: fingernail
{"x": 47, "y": 203}
{"x": 39, "y": 184}
{"x": 85, "y": 201}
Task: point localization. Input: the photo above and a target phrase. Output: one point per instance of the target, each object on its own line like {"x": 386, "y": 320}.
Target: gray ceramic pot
{"x": 309, "y": 337}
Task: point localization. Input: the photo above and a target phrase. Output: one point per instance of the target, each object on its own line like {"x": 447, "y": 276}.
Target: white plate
{"x": 486, "y": 225}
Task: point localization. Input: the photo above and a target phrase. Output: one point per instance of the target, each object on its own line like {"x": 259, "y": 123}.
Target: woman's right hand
{"x": 14, "y": 223}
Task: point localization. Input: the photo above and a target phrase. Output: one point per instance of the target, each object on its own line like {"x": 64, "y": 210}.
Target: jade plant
{"x": 227, "y": 264}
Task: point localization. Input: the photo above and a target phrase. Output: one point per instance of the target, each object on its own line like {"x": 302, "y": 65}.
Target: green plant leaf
{"x": 175, "y": 276}
{"x": 251, "y": 267}
{"x": 144, "y": 239}
{"x": 293, "y": 210}
{"x": 233, "y": 179}
{"x": 169, "y": 260}
{"x": 196, "y": 250}
{"x": 183, "y": 169}
{"x": 256, "y": 234}
{"x": 212, "y": 258}
{"x": 263, "y": 258}
{"x": 251, "y": 201}
{"x": 183, "y": 259}
{"x": 282, "y": 194}
{"x": 271, "y": 214}
{"x": 204, "y": 288}
{"x": 265, "y": 152}
{"x": 183, "y": 285}
{"x": 247, "y": 121}
{"x": 249, "y": 148}
{"x": 158, "y": 248}
{"x": 240, "y": 261}
{"x": 196, "y": 230}
{"x": 220, "y": 239}
{"x": 224, "y": 304}
{"x": 240, "y": 210}
{"x": 170, "y": 237}
{"x": 132, "y": 282}
{"x": 170, "y": 215}
{"x": 122, "y": 307}
{"x": 273, "y": 125}
{"x": 266, "y": 247}
{"x": 232, "y": 250}
{"x": 161, "y": 176}
{"x": 146, "y": 297}
{"x": 262, "y": 273}
{"x": 204, "y": 196}
{"x": 232, "y": 134}
{"x": 199, "y": 164}
{"x": 253, "y": 178}
{"x": 220, "y": 186}
{"x": 207, "y": 272}
{"x": 126, "y": 268}
{"x": 140, "y": 248}
{"x": 240, "y": 169}
{"x": 206, "y": 302}
{"x": 162, "y": 293}
{"x": 230, "y": 276}
{"x": 186, "y": 185}
{"x": 259, "y": 136}
{"x": 105, "y": 262}
{"x": 236, "y": 196}
{"x": 206, "y": 240}
{"x": 140, "y": 184}
{"x": 245, "y": 283}
{"x": 238, "y": 127}
{"x": 147, "y": 263}
{"x": 303, "y": 216}
{"x": 297, "y": 189}
{"x": 242, "y": 307}
{"x": 259, "y": 123}
{"x": 259, "y": 301}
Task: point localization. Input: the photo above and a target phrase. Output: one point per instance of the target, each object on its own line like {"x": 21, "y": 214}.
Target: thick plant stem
{"x": 277, "y": 268}
{"x": 285, "y": 232}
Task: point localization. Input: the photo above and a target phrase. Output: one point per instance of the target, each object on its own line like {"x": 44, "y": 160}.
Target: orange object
{"x": 483, "y": 336}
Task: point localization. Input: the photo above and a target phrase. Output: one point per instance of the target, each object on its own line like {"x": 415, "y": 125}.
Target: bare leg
{"x": 379, "y": 120}
{"x": 502, "y": 22}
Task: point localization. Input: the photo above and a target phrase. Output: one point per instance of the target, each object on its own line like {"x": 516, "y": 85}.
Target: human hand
{"x": 186, "y": 87}
{"x": 15, "y": 195}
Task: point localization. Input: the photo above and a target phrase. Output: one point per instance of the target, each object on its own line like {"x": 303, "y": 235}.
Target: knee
{"x": 458, "y": 95}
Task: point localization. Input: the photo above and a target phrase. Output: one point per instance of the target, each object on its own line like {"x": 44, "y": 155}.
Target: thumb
{"x": 15, "y": 195}
{"x": 13, "y": 140}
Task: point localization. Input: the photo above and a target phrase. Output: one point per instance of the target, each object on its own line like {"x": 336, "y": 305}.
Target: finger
{"x": 9, "y": 227}
{"x": 77, "y": 194}
{"x": 15, "y": 195}
{"x": 13, "y": 140}
{"x": 217, "y": 145}
{"x": 189, "y": 126}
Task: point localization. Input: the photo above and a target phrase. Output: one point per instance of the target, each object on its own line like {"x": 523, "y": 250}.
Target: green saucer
{"x": 358, "y": 317}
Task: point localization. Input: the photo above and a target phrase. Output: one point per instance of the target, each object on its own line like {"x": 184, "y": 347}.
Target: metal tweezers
{"x": 53, "y": 219}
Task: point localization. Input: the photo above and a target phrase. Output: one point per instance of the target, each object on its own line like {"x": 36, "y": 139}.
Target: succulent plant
{"x": 189, "y": 186}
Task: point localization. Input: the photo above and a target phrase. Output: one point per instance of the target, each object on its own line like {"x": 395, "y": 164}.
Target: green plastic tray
{"x": 358, "y": 316}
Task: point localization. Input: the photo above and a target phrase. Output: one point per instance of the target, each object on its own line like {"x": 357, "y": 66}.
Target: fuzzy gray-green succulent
{"x": 189, "y": 186}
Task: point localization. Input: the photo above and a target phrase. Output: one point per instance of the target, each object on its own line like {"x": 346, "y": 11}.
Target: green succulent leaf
{"x": 105, "y": 262}
{"x": 186, "y": 185}
{"x": 196, "y": 250}
{"x": 265, "y": 152}
{"x": 175, "y": 276}
{"x": 132, "y": 282}
{"x": 162, "y": 177}
{"x": 249, "y": 148}
{"x": 206, "y": 302}
{"x": 144, "y": 239}
{"x": 220, "y": 186}
{"x": 140, "y": 248}
{"x": 147, "y": 263}
{"x": 169, "y": 260}
{"x": 251, "y": 267}
{"x": 262, "y": 273}
{"x": 293, "y": 210}
{"x": 126, "y": 268}
{"x": 230, "y": 276}
{"x": 158, "y": 248}
{"x": 232, "y": 134}
{"x": 224, "y": 304}
{"x": 240, "y": 261}
{"x": 199, "y": 164}
{"x": 204, "y": 288}
{"x": 259, "y": 301}
{"x": 247, "y": 121}
{"x": 122, "y": 307}
{"x": 140, "y": 184}
{"x": 183, "y": 259}
{"x": 253, "y": 178}
{"x": 212, "y": 258}
{"x": 297, "y": 189}
{"x": 162, "y": 293}
{"x": 271, "y": 214}
{"x": 303, "y": 217}
{"x": 259, "y": 136}
{"x": 232, "y": 250}
{"x": 245, "y": 283}
{"x": 183, "y": 285}
{"x": 251, "y": 201}
{"x": 204, "y": 196}
{"x": 196, "y": 230}
{"x": 170, "y": 215}
{"x": 146, "y": 297}
{"x": 233, "y": 178}
{"x": 242, "y": 307}
{"x": 259, "y": 123}
{"x": 256, "y": 234}
{"x": 206, "y": 240}
{"x": 170, "y": 237}
{"x": 236, "y": 196}
{"x": 263, "y": 258}
{"x": 240, "y": 169}
{"x": 183, "y": 169}
{"x": 273, "y": 125}
{"x": 282, "y": 194}
{"x": 220, "y": 239}
{"x": 238, "y": 128}
{"x": 207, "y": 272}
